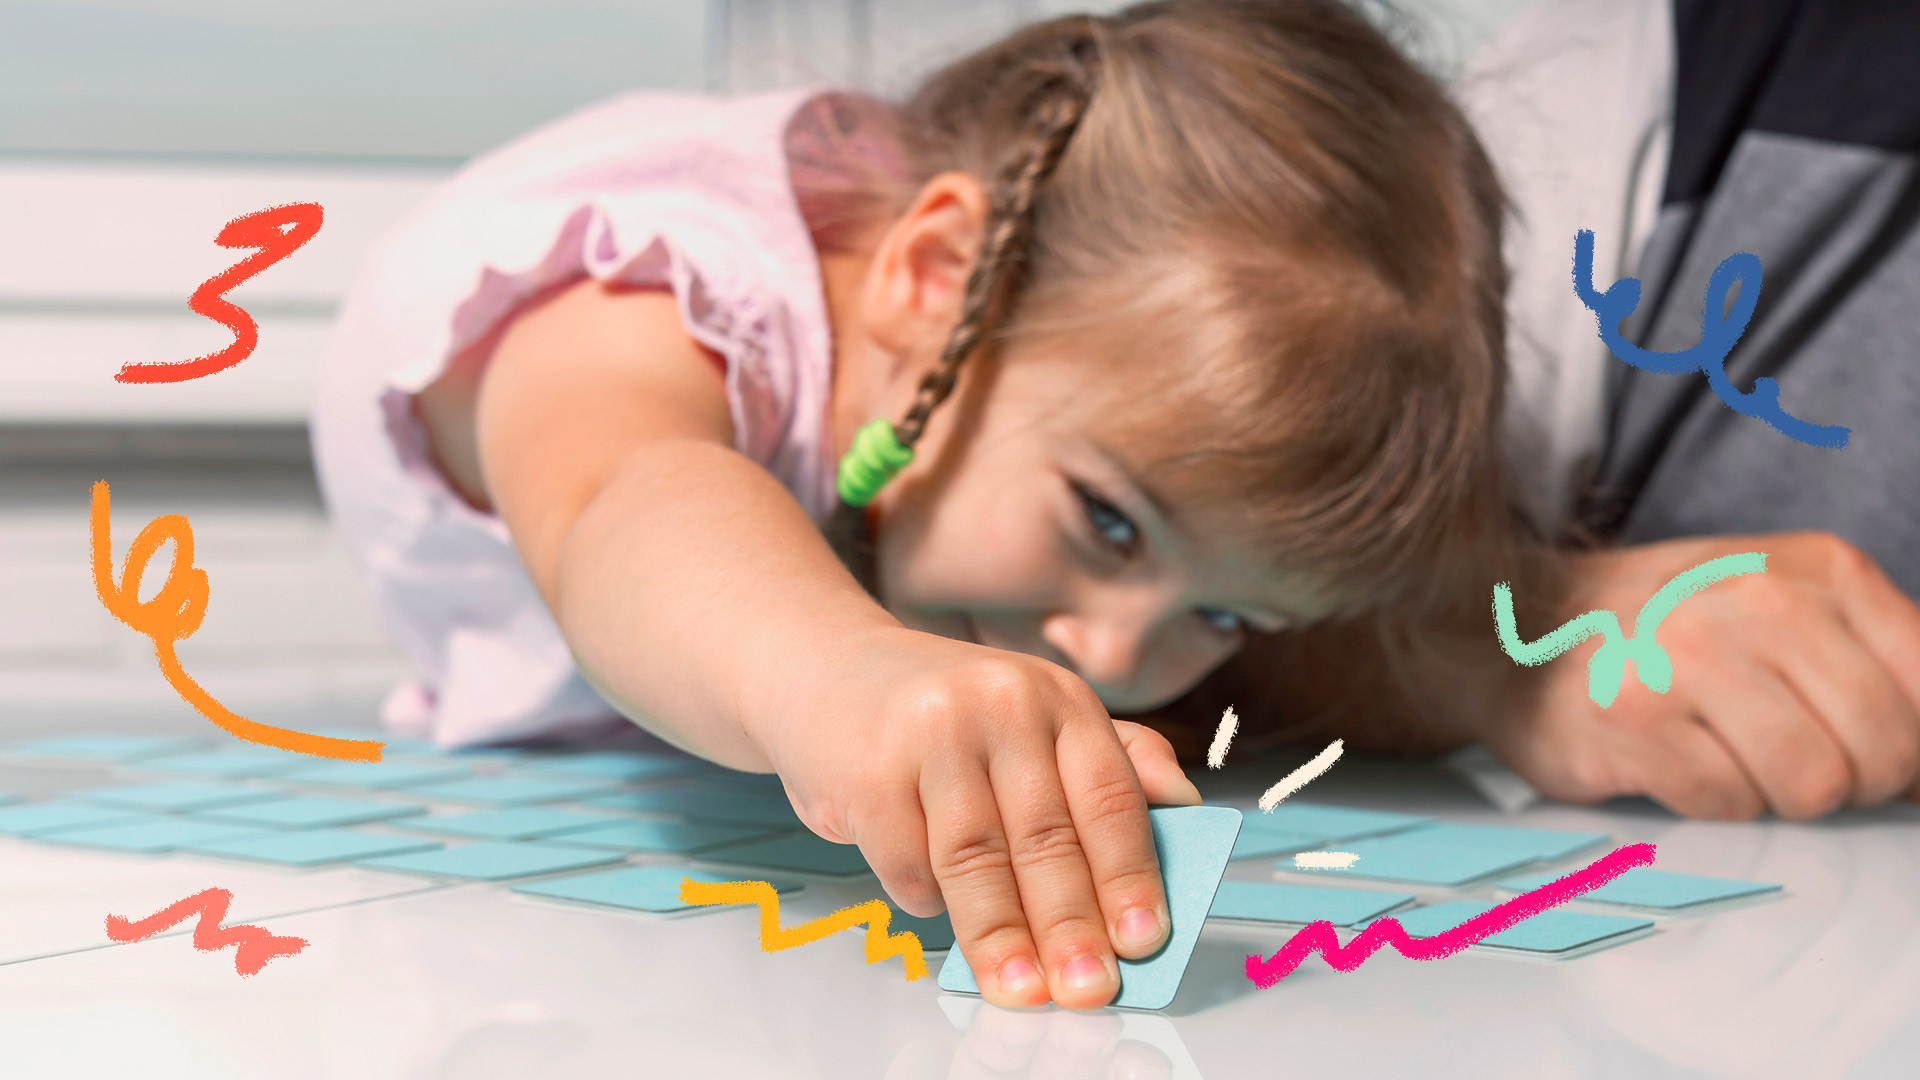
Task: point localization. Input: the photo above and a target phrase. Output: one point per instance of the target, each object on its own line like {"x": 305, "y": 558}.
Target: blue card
{"x": 311, "y": 812}
{"x": 35, "y": 819}
{"x": 518, "y": 823}
{"x": 1542, "y": 845}
{"x": 1645, "y": 888}
{"x": 618, "y": 766}
{"x": 1194, "y": 843}
{"x": 512, "y": 790}
{"x": 1552, "y": 931}
{"x": 1268, "y": 901}
{"x": 727, "y": 781}
{"x": 1330, "y": 823}
{"x": 375, "y": 775}
{"x": 236, "y": 763}
{"x": 1406, "y": 857}
{"x": 312, "y": 848}
{"x": 178, "y": 795}
{"x": 392, "y": 744}
{"x": 493, "y": 862}
{"x": 673, "y": 837}
{"x": 1256, "y": 842}
{"x": 703, "y": 806}
{"x": 8, "y": 798}
{"x": 640, "y": 888}
{"x": 152, "y": 835}
{"x": 801, "y": 852}
{"x": 102, "y": 747}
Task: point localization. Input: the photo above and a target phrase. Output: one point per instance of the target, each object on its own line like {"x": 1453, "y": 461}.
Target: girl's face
{"x": 1026, "y": 523}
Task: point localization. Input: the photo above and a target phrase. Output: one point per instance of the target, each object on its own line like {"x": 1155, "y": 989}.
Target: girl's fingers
{"x": 1793, "y": 759}
{"x": 899, "y": 856}
{"x": 1046, "y": 834}
{"x": 1155, "y": 763}
{"x": 1862, "y": 705}
{"x": 969, "y": 852}
{"x": 1110, "y": 816}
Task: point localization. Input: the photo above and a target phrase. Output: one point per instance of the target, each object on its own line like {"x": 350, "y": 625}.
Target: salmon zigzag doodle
{"x": 874, "y": 913}
{"x": 174, "y": 613}
{"x": 1606, "y": 670}
{"x": 253, "y": 946}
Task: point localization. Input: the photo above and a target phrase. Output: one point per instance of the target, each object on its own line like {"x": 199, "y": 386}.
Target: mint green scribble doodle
{"x": 1608, "y": 667}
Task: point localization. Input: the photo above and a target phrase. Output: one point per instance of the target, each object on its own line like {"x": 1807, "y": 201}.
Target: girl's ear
{"x": 918, "y": 278}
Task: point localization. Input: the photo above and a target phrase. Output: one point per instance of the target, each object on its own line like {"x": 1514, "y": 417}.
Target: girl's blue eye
{"x": 1222, "y": 620}
{"x": 1113, "y": 526}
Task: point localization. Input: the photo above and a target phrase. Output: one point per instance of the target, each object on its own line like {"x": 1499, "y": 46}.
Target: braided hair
{"x": 881, "y": 448}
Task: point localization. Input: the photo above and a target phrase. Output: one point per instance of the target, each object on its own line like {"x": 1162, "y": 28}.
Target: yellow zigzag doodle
{"x": 875, "y": 913}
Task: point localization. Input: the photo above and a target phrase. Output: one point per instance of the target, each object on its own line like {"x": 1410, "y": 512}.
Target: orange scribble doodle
{"x": 175, "y": 612}
{"x": 278, "y": 231}
{"x": 253, "y": 946}
{"x": 773, "y": 937}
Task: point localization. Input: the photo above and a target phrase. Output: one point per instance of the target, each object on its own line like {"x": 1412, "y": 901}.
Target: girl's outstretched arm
{"x": 699, "y": 598}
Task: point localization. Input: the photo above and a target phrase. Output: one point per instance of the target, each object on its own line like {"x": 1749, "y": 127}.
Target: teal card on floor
{"x": 518, "y": 823}
{"x": 512, "y": 790}
{"x": 1542, "y": 845}
{"x": 178, "y": 795}
{"x": 1270, "y": 901}
{"x": 315, "y": 847}
{"x": 237, "y": 763}
{"x": 1255, "y": 843}
{"x": 1646, "y": 888}
{"x": 34, "y": 819}
{"x": 639, "y": 888}
{"x": 670, "y": 837}
{"x": 494, "y": 862}
{"x": 1551, "y": 931}
{"x": 102, "y": 747}
{"x": 311, "y": 812}
{"x": 8, "y": 798}
{"x": 801, "y": 852}
{"x": 1331, "y": 823}
{"x": 701, "y": 805}
{"x": 1193, "y": 843}
{"x": 618, "y": 766}
{"x": 375, "y": 775}
{"x": 151, "y": 835}
{"x": 1405, "y": 857}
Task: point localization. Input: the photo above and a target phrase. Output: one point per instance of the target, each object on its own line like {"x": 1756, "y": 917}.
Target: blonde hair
{"x": 1291, "y": 199}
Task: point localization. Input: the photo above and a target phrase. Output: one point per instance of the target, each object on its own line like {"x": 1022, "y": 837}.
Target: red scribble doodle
{"x": 278, "y": 231}
{"x": 254, "y": 946}
{"x": 1320, "y": 936}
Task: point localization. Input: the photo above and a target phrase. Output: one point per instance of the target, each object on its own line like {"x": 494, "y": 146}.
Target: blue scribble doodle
{"x": 1717, "y": 337}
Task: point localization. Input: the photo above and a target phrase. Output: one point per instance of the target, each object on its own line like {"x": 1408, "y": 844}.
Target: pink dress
{"x": 682, "y": 192}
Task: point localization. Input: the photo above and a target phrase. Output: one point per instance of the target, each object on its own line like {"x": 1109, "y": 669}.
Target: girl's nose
{"x": 1103, "y": 649}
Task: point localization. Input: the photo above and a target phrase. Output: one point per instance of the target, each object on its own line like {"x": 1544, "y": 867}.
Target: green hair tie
{"x": 874, "y": 458}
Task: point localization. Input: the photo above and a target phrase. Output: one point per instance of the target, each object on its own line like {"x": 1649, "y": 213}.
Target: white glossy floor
{"x": 407, "y": 979}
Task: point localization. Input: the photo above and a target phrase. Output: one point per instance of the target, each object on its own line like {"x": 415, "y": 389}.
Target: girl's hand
{"x": 1795, "y": 690}
{"x": 990, "y": 783}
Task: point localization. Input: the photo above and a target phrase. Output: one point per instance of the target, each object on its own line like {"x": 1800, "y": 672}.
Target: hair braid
{"x": 880, "y": 449}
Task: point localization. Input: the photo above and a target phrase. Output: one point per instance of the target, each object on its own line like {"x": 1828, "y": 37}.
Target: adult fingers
{"x": 1793, "y": 759}
{"x": 1110, "y": 816}
{"x": 970, "y": 855}
{"x": 1861, "y": 703}
{"x": 1156, "y": 764}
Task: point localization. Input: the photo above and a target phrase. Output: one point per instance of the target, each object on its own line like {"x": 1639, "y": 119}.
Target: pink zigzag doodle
{"x": 254, "y": 946}
{"x": 1320, "y": 937}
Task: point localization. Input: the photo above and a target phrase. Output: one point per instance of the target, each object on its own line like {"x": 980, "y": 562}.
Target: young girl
{"x": 1189, "y": 317}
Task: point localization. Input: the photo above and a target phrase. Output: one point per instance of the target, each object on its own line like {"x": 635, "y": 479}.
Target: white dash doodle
{"x": 1325, "y": 860}
{"x": 1223, "y": 738}
{"x": 1302, "y": 776}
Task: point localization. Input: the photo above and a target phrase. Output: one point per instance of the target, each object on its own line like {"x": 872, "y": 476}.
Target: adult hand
{"x": 1795, "y": 690}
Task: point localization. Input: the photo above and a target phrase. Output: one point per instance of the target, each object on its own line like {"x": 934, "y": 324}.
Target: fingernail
{"x": 1084, "y": 972}
{"x": 1018, "y": 975}
{"x": 1139, "y": 927}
